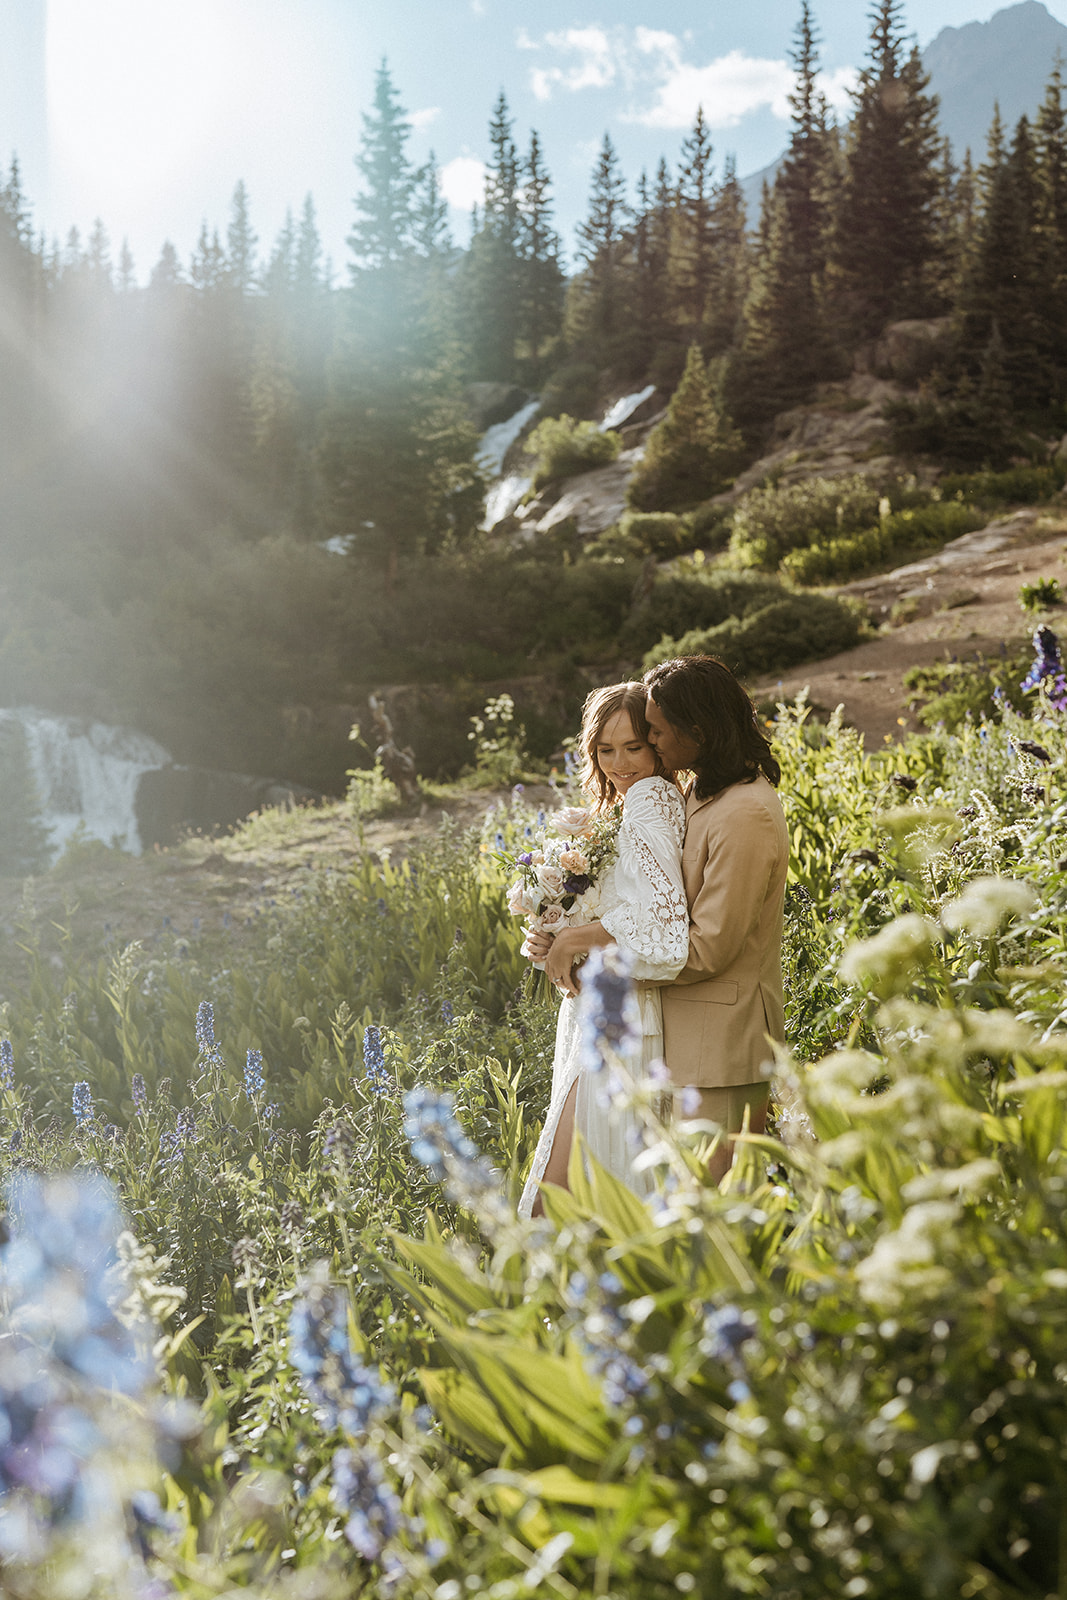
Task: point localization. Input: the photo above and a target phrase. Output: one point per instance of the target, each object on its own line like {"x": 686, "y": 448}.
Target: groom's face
{"x": 676, "y": 748}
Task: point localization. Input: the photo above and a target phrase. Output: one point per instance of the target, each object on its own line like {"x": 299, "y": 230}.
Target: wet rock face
{"x": 173, "y": 801}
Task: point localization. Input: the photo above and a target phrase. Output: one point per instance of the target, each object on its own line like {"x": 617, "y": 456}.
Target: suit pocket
{"x": 713, "y": 991}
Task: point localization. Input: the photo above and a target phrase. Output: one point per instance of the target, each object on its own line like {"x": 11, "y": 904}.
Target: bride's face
{"x": 622, "y": 755}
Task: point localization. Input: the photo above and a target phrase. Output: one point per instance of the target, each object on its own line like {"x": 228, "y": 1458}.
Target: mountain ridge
{"x": 974, "y": 67}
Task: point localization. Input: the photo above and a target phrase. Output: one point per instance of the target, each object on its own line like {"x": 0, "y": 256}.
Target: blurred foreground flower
{"x": 1046, "y": 673}
{"x": 70, "y": 1454}
{"x": 887, "y": 961}
{"x": 987, "y": 902}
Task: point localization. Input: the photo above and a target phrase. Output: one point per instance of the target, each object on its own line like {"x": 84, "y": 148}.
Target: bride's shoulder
{"x": 654, "y": 794}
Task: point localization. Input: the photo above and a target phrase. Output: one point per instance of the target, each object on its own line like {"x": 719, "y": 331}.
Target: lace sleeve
{"x": 650, "y": 917}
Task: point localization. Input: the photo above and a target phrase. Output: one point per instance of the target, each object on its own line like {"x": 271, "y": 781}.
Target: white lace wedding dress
{"x": 643, "y": 906}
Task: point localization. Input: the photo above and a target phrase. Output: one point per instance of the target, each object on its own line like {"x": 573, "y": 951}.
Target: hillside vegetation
{"x": 177, "y": 457}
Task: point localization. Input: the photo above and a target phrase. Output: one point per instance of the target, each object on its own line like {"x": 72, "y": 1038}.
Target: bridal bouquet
{"x": 559, "y": 876}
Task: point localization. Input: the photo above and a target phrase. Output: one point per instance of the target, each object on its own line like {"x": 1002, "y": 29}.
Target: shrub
{"x": 681, "y": 602}
{"x": 711, "y": 525}
{"x": 693, "y": 452}
{"x": 1036, "y": 596}
{"x": 948, "y": 693}
{"x": 894, "y": 534}
{"x": 1014, "y": 486}
{"x": 564, "y": 447}
{"x": 782, "y": 634}
{"x": 770, "y": 522}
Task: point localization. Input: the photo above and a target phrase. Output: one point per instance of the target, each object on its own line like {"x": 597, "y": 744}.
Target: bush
{"x": 770, "y": 522}
{"x": 782, "y": 634}
{"x": 1014, "y": 486}
{"x": 711, "y": 525}
{"x": 681, "y": 602}
{"x": 948, "y": 693}
{"x": 900, "y": 531}
{"x": 564, "y": 447}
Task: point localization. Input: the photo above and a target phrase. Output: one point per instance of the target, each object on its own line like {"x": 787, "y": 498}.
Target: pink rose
{"x": 552, "y": 919}
{"x": 574, "y": 861}
{"x": 572, "y": 819}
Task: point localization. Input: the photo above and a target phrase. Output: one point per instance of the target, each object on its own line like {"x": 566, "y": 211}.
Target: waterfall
{"x": 86, "y": 772}
{"x": 625, "y": 408}
{"x": 497, "y": 440}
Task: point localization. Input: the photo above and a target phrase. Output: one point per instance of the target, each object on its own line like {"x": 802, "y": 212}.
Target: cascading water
{"x": 625, "y": 408}
{"x": 86, "y": 773}
{"x": 504, "y": 493}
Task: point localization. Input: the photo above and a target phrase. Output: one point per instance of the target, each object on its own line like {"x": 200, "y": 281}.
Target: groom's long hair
{"x": 701, "y": 696}
{"x": 600, "y": 706}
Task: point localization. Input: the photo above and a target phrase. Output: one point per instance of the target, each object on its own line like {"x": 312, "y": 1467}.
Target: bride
{"x": 642, "y": 909}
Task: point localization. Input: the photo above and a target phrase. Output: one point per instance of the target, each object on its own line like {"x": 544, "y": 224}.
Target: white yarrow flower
{"x": 987, "y": 902}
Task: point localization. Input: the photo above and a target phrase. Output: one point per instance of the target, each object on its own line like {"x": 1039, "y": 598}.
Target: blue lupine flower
{"x": 570, "y": 763}
{"x": 205, "y": 1025}
{"x": 373, "y": 1508}
{"x": 185, "y": 1126}
{"x": 254, "y": 1077}
{"x": 347, "y": 1394}
{"x": 139, "y": 1094}
{"x": 499, "y": 842}
{"x": 608, "y": 1016}
{"x": 378, "y": 1079}
{"x": 541, "y": 817}
{"x": 517, "y": 793}
{"x": 82, "y": 1101}
{"x": 1047, "y": 669}
{"x": 7, "y": 1065}
{"x": 448, "y": 1015}
{"x": 434, "y": 1134}
{"x": 54, "y": 1268}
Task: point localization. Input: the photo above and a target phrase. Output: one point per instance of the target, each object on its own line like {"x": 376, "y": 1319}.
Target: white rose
{"x": 551, "y": 879}
{"x": 523, "y": 900}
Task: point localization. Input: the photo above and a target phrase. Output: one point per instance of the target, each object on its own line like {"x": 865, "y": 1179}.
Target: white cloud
{"x": 837, "y": 86}
{"x": 463, "y": 182}
{"x": 728, "y": 88}
{"x": 666, "y": 88}
{"x": 423, "y": 118}
{"x": 595, "y": 65}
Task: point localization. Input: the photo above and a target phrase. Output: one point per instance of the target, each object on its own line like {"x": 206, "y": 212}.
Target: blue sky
{"x": 156, "y": 107}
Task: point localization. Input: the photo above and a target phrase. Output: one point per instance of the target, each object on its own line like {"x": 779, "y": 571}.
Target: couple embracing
{"x": 694, "y": 897}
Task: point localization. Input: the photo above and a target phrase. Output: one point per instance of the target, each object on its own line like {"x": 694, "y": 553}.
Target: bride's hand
{"x": 538, "y": 945}
{"x": 566, "y": 946}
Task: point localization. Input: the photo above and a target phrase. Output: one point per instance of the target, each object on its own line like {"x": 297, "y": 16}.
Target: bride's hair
{"x": 600, "y": 706}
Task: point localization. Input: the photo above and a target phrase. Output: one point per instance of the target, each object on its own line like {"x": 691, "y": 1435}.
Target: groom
{"x": 727, "y": 1001}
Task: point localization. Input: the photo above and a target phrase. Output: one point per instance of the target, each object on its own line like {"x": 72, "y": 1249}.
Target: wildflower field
{"x": 271, "y": 1326}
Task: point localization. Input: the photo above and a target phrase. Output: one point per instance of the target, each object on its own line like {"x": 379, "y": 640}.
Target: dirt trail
{"x": 960, "y": 602}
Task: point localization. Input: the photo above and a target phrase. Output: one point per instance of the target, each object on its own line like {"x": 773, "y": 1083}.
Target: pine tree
{"x": 1050, "y": 143}
{"x": 887, "y": 248}
{"x": 241, "y": 243}
{"x": 381, "y": 236}
{"x": 1005, "y": 287}
{"x": 126, "y": 279}
{"x": 694, "y": 237}
{"x": 492, "y": 276}
{"x": 786, "y": 344}
{"x": 24, "y": 837}
{"x": 594, "y": 301}
{"x": 649, "y": 326}
{"x": 728, "y": 276}
{"x": 693, "y": 453}
{"x": 541, "y": 298}
{"x": 430, "y": 234}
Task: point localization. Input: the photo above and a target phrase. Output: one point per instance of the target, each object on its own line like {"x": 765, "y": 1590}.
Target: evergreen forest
{"x": 184, "y": 458}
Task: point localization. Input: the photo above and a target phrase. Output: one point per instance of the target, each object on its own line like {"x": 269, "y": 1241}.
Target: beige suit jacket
{"x": 727, "y": 1000}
